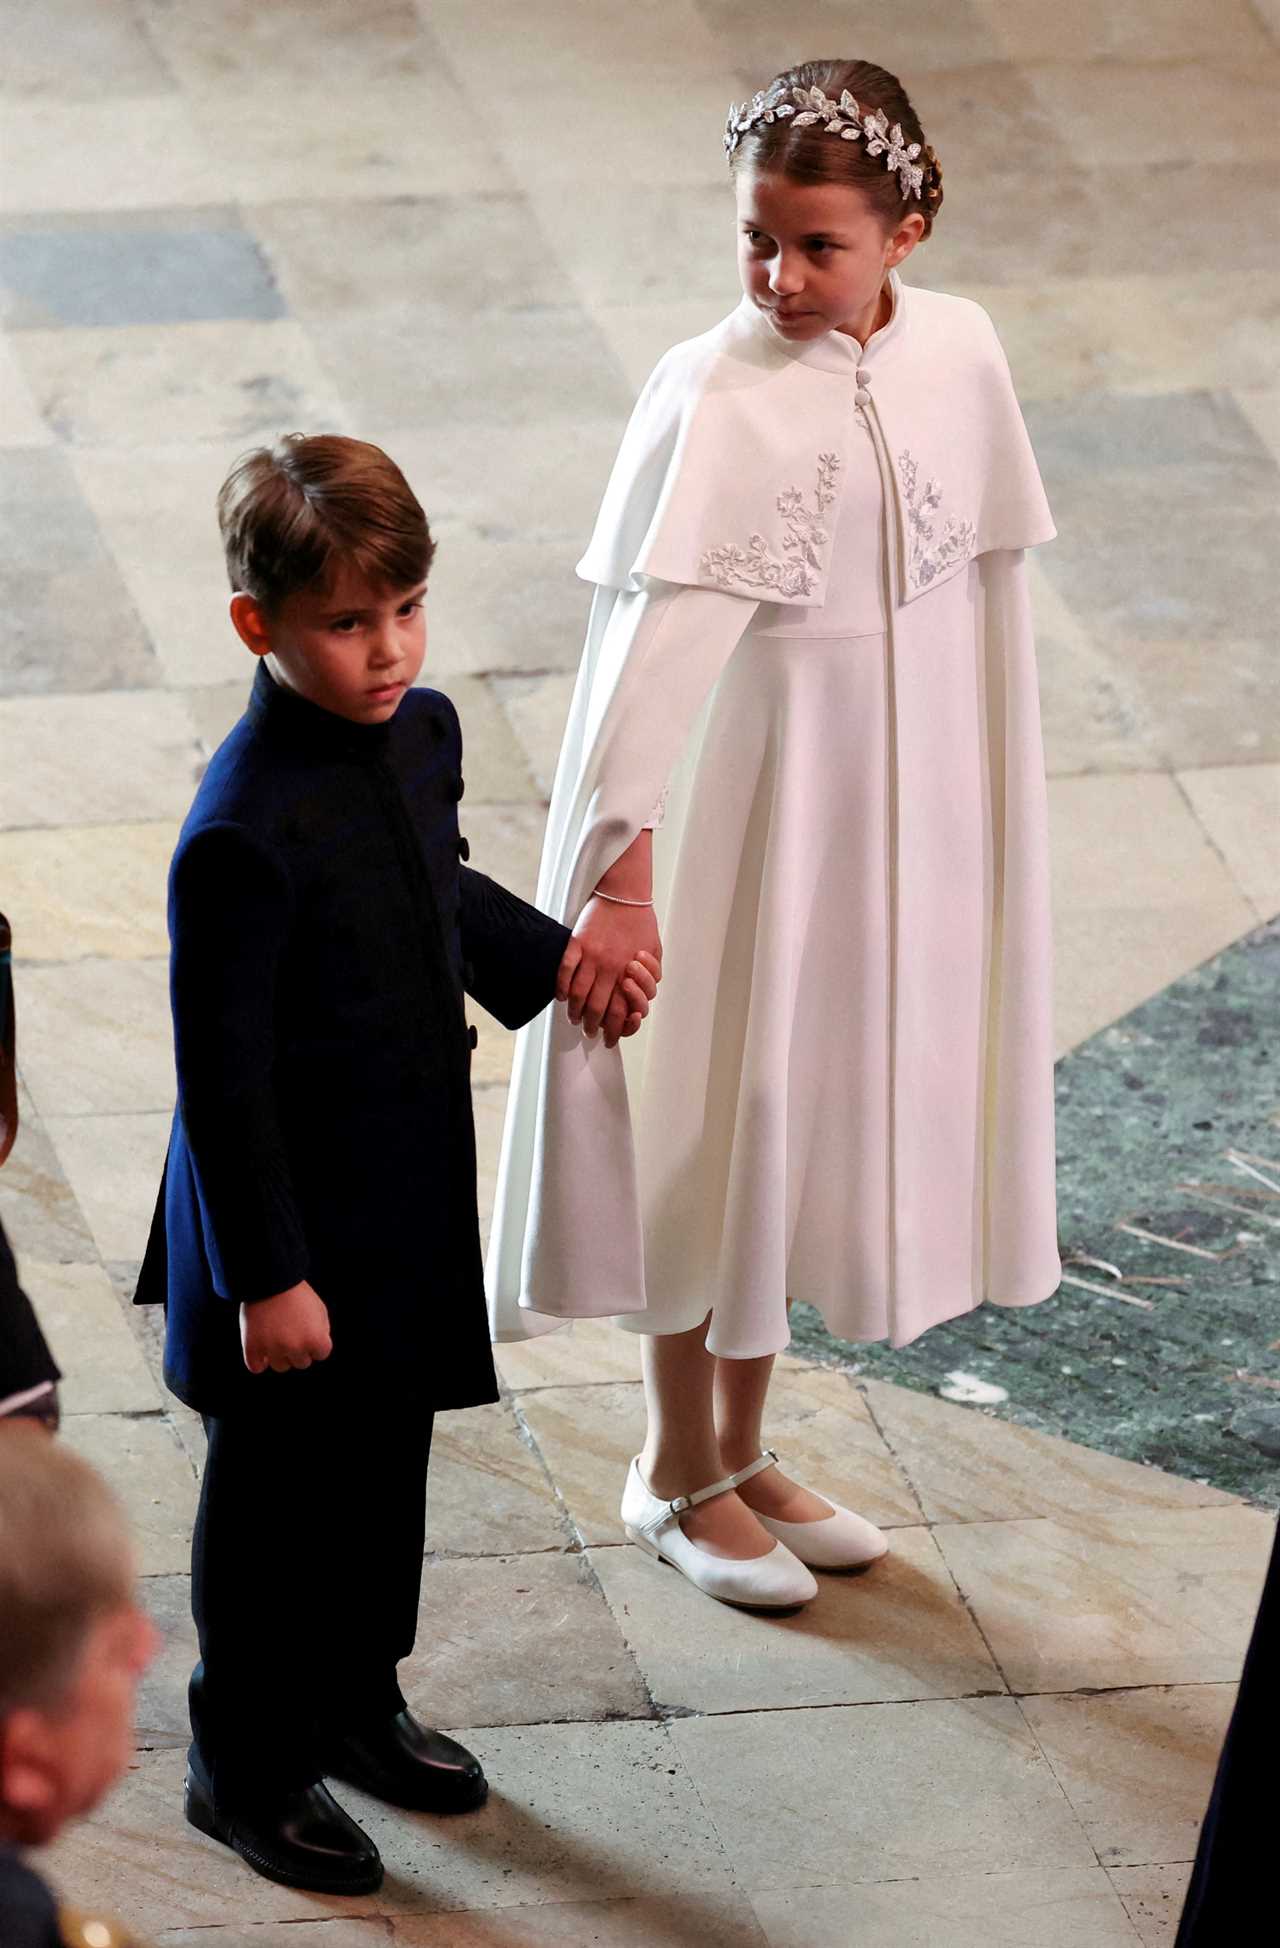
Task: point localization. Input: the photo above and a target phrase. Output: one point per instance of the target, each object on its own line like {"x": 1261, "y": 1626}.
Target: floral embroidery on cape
{"x": 928, "y": 552}
{"x": 804, "y": 539}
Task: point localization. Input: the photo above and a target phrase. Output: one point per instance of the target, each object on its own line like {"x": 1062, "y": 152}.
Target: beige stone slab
{"x": 110, "y": 154}
{"x": 1110, "y": 111}
{"x": 720, "y": 1921}
{"x": 142, "y": 1459}
{"x": 968, "y": 1466}
{"x": 87, "y": 890}
{"x": 493, "y": 764}
{"x": 1147, "y": 1596}
{"x": 160, "y": 1719}
{"x": 489, "y": 1101}
{"x": 595, "y": 46}
{"x": 217, "y": 707}
{"x": 103, "y": 1367}
{"x": 587, "y": 1436}
{"x": 1153, "y": 1898}
{"x": 1239, "y": 808}
{"x": 1037, "y": 30}
{"x": 898, "y": 1630}
{"x": 39, "y": 1211}
{"x": 1094, "y": 715}
{"x": 517, "y": 1640}
{"x": 584, "y": 140}
{"x": 139, "y": 1858}
{"x": 639, "y": 334}
{"x": 527, "y": 478}
{"x": 97, "y": 1037}
{"x": 507, "y": 605}
{"x": 1261, "y": 407}
{"x": 21, "y": 423}
{"x": 114, "y": 1165}
{"x": 232, "y": 384}
{"x": 1064, "y": 1907}
{"x": 155, "y": 507}
{"x": 371, "y": 1932}
{"x": 660, "y": 245}
{"x": 1106, "y": 962}
{"x": 488, "y": 1493}
{"x": 96, "y": 760}
{"x": 576, "y": 1812}
{"x": 506, "y": 842}
{"x": 1137, "y": 1766}
{"x": 583, "y": 1352}
{"x": 538, "y": 709}
{"x": 838, "y": 1797}
{"x": 495, "y": 1046}
{"x": 292, "y": 42}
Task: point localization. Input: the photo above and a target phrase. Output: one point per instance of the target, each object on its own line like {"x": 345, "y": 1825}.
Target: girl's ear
{"x": 904, "y": 240}
{"x": 250, "y": 624}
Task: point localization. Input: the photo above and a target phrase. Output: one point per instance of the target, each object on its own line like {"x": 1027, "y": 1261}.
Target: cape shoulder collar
{"x": 730, "y": 472}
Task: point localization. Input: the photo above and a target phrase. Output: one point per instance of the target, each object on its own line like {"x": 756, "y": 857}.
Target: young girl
{"x": 811, "y": 635}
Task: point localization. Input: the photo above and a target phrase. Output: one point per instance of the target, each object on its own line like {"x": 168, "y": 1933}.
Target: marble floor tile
{"x": 1107, "y": 962}
{"x": 988, "y": 113}
{"x": 587, "y": 1436}
{"x": 97, "y": 1037}
{"x": 834, "y": 1797}
{"x": 411, "y": 135}
{"x": 489, "y": 1493}
{"x": 718, "y": 1921}
{"x": 138, "y": 1857}
{"x": 71, "y": 623}
{"x": 333, "y": 259}
{"x": 1113, "y": 110}
{"x": 638, "y": 335}
{"x": 575, "y": 1812}
{"x": 506, "y": 842}
{"x": 216, "y": 708}
{"x": 96, "y": 760}
{"x": 239, "y": 43}
{"x": 506, "y": 606}
{"x": 1077, "y": 340}
{"x": 1137, "y": 1766}
{"x": 1239, "y": 808}
{"x": 144, "y": 1463}
{"x": 967, "y": 1466}
{"x": 78, "y": 51}
{"x": 584, "y": 1352}
{"x": 103, "y": 1366}
{"x": 538, "y": 709}
{"x": 373, "y": 1931}
{"x": 489, "y": 1102}
{"x": 141, "y": 385}
{"x": 493, "y": 763}
{"x": 658, "y": 245}
{"x": 1153, "y": 1898}
{"x": 1261, "y": 407}
{"x": 516, "y": 1640}
{"x": 123, "y": 146}
{"x": 896, "y": 1631}
{"x": 20, "y": 421}
{"x": 155, "y": 507}
{"x": 114, "y": 1166}
{"x": 594, "y": 50}
{"x": 161, "y": 1718}
{"x": 524, "y": 480}
{"x": 1037, "y": 30}
{"x": 1093, "y": 715}
{"x": 86, "y": 890}
{"x": 161, "y": 268}
{"x": 1065, "y": 1907}
{"x": 40, "y": 1215}
{"x": 1145, "y": 1597}
{"x": 762, "y": 42}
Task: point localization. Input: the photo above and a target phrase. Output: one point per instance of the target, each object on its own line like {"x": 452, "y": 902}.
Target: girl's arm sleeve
{"x": 229, "y": 912}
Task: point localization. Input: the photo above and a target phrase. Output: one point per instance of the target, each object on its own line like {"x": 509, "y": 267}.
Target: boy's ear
{"x": 27, "y": 1784}
{"x": 250, "y": 624}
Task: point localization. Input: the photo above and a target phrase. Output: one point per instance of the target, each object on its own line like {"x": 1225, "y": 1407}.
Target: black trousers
{"x": 306, "y": 1571}
{"x": 1232, "y": 1884}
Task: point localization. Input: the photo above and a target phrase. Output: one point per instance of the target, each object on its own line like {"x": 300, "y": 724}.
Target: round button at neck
{"x": 862, "y": 397}
{"x": 862, "y": 376}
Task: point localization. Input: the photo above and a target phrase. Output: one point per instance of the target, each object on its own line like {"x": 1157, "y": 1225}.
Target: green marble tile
{"x": 1190, "y": 1381}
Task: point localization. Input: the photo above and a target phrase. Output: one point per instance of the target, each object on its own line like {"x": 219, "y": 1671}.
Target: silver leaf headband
{"x": 806, "y": 107}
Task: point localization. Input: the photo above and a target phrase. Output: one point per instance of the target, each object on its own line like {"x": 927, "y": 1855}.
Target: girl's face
{"x": 814, "y": 256}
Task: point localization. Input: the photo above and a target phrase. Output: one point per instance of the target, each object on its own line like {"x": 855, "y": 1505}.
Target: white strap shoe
{"x": 841, "y": 1540}
{"x": 776, "y": 1581}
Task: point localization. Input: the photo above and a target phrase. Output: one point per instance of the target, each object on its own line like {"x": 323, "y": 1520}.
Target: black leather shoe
{"x": 402, "y": 1762}
{"x": 303, "y": 1839}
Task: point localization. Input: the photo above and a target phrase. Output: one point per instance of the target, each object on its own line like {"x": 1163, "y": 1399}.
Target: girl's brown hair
{"x": 810, "y": 155}
{"x": 292, "y": 513}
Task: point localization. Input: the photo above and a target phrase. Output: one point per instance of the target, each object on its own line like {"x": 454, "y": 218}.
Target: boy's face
{"x": 354, "y": 650}
{"x": 56, "y": 1765}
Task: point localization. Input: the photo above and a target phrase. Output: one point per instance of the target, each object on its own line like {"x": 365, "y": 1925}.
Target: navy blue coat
{"x": 323, "y": 929}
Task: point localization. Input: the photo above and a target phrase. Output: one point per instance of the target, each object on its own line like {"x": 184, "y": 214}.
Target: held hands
{"x": 289, "y": 1330}
{"x": 611, "y": 969}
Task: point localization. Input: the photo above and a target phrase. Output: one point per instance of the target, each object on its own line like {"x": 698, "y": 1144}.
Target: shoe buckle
{"x": 680, "y": 1504}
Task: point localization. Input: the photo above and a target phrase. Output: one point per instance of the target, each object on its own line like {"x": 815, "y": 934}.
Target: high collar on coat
{"x": 836, "y": 351}
{"x": 307, "y": 727}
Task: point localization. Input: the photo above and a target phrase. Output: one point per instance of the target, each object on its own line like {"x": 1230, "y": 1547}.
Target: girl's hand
{"x": 607, "y": 938}
{"x": 629, "y": 1002}
{"x": 289, "y": 1330}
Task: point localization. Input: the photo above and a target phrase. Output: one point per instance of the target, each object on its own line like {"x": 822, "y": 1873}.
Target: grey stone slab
{"x": 78, "y": 50}
{"x": 104, "y": 1369}
{"x": 898, "y": 1631}
{"x": 79, "y": 890}
{"x": 656, "y": 244}
{"x": 488, "y": 1492}
{"x": 373, "y": 1931}
{"x": 1063, "y": 1907}
{"x": 239, "y": 44}
{"x": 141, "y": 1457}
{"x": 494, "y": 767}
{"x": 760, "y": 42}
{"x": 114, "y": 1165}
{"x": 161, "y": 1718}
{"x": 165, "y": 272}
{"x": 97, "y": 1037}
{"x": 1153, "y": 1899}
{"x": 576, "y": 1812}
{"x": 70, "y": 622}
{"x": 122, "y": 145}
{"x": 1106, "y": 439}
{"x": 96, "y": 759}
{"x": 533, "y": 478}
{"x": 714, "y": 1921}
{"x": 468, "y": 254}
{"x": 515, "y": 1640}
{"x": 37, "y": 1205}
{"x": 538, "y": 707}
{"x": 216, "y": 708}
{"x": 506, "y": 606}
{"x": 836, "y": 1797}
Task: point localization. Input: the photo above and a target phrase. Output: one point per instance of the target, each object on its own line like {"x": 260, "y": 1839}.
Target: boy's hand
{"x": 605, "y": 941}
{"x": 289, "y": 1330}
{"x": 629, "y": 1002}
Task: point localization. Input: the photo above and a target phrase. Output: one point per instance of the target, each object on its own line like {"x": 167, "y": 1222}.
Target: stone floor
{"x": 466, "y": 231}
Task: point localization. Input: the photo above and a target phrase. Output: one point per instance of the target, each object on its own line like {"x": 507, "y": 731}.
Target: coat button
{"x": 468, "y": 974}
{"x": 863, "y": 376}
{"x": 862, "y": 397}
{"x": 457, "y": 788}
{"x": 473, "y": 1038}
{"x": 464, "y": 848}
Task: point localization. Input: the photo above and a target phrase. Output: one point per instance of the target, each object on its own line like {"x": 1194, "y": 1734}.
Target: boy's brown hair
{"x": 292, "y": 513}
{"x": 65, "y": 1561}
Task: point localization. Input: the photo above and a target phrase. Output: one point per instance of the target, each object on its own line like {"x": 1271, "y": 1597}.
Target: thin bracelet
{"x": 617, "y": 899}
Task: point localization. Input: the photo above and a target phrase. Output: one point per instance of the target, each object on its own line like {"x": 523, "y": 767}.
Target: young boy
{"x": 73, "y": 1644}
{"x": 316, "y": 1240}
